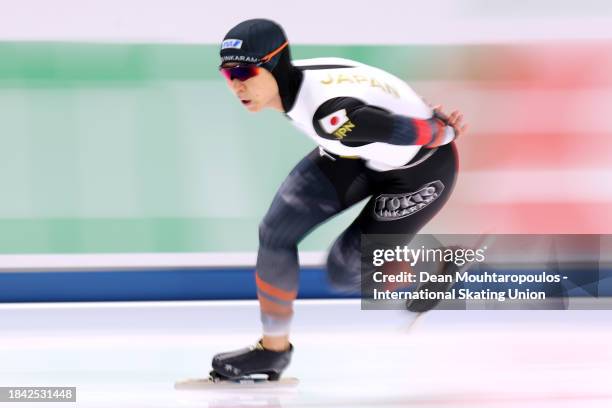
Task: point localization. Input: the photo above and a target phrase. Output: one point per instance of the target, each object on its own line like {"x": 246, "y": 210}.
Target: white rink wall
{"x": 312, "y": 22}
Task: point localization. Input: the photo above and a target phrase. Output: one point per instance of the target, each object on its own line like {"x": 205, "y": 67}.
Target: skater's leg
{"x": 345, "y": 261}
{"x": 379, "y": 216}
{"x": 314, "y": 191}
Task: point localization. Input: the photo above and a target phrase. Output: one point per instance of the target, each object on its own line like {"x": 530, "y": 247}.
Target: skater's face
{"x": 254, "y": 86}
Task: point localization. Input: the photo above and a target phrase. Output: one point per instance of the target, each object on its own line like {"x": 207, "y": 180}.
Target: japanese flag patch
{"x": 334, "y": 121}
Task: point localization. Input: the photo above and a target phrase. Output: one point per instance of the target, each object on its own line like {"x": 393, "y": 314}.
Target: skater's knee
{"x": 271, "y": 236}
{"x": 266, "y": 234}
{"x": 280, "y": 230}
{"x": 343, "y": 275}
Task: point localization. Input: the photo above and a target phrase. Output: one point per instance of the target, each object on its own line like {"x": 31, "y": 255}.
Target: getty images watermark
{"x": 464, "y": 272}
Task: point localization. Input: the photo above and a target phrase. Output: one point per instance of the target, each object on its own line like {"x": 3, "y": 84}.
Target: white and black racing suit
{"x": 377, "y": 139}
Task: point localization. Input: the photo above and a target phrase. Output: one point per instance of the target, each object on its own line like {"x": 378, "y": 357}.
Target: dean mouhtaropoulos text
{"x": 465, "y": 276}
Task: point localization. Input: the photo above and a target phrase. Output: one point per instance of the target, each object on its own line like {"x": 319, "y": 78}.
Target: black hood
{"x": 263, "y": 42}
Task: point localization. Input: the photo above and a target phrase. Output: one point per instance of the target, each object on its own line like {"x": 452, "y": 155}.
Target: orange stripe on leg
{"x": 275, "y": 309}
{"x": 271, "y": 290}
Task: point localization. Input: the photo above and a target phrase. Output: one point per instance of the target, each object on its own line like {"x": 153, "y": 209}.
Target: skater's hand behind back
{"x": 455, "y": 120}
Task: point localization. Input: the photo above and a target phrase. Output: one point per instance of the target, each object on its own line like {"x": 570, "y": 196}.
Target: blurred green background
{"x": 141, "y": 148}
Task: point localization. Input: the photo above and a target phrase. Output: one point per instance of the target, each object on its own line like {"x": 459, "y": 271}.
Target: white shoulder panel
{"x": 371, "y": 85}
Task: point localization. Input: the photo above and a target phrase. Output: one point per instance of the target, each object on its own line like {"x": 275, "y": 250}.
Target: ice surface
{"x": 129, "y": 354}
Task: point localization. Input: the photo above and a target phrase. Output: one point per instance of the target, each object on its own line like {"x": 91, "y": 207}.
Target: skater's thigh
{"x": 315, "y": 190}
{"x": 403, "y": 201}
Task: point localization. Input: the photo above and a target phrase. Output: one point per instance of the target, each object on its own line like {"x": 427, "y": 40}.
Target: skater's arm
{"x": 350, "y": 120}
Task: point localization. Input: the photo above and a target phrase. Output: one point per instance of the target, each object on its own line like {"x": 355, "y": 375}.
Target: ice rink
{"x": 130, "y": 354}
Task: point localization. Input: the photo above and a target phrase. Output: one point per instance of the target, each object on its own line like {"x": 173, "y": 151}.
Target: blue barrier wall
{"x": 217, "y": 284}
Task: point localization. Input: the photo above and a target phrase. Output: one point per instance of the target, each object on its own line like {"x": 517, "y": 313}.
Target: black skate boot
{"x": 246, "y": 362}
{"x": 448, "y": 270}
